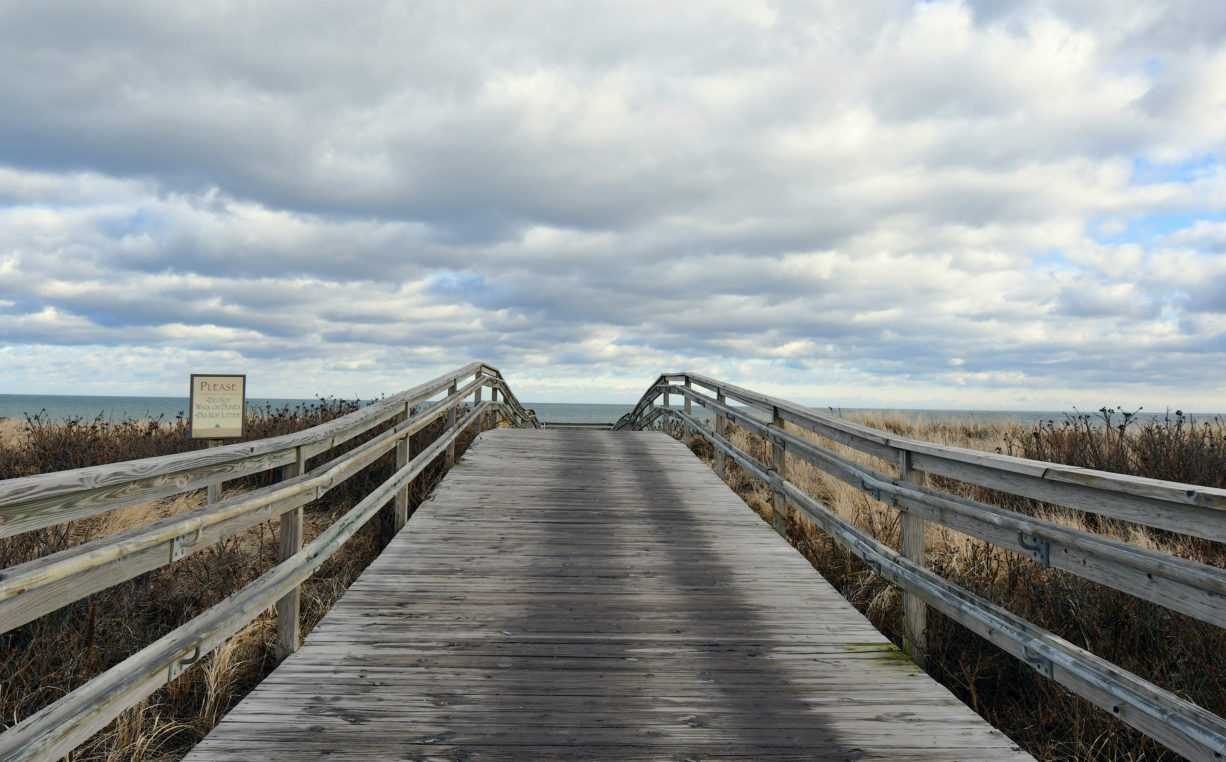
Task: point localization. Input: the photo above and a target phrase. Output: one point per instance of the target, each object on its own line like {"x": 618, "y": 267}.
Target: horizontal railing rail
{"x": 34, "y": 502}
{"x": 1192, "y": 588}
{"x": 32, "y": 589}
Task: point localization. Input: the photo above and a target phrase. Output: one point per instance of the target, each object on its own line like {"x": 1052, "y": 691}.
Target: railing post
{"x": 477, "y": 403}
{"x": 779, "y": 506}
{"x": 912, "y": 547}
{"x": 214, "y": 491}
{"x": 291, "y": 542}
{"x": 400, "y": 513}
{"x": 719, "y": 431}
{"x": 494, "y": 413}
{"x": 451, "y": 422}
{"x": 688, "y": 436}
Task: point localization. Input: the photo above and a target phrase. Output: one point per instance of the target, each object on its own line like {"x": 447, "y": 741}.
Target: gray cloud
{"x": 886, "y": 201}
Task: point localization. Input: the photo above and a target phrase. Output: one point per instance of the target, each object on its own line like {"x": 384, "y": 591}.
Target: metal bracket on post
{"x": 873, "y": 491}
{"x": 180, "y": 665}
{"x": 1038, "y": 548}
{"x": 775, "y": 482}
{"x": 1041, "y": 663}
{"x": 183, "y": 544}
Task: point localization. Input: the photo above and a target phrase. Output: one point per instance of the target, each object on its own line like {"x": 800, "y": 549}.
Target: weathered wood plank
{"x": 914, "y": 549}
{"x": 588, "y": 594}
{"x": 1188, "y": 509}
{"x": 288, "y": 608}
{"x": 778, "y": 466}
{"x": 1179, "y": 584}
{"x": 45, "y": 584}
{"x": 59, "y": 727}
{"x": 32, "y": 502}
{"x": 1180, "y": 725}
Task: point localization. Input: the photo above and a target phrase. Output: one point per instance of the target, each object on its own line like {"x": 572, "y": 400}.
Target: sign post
{"x": 218, "y": 412}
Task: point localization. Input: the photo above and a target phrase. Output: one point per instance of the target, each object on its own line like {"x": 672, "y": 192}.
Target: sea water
{"x": 61, "y": 407}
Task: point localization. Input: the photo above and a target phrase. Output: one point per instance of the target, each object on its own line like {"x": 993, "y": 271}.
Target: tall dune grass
{"x": 47, "y": 658}
{"x": 1177, "y": 652}
{"x": 51, "y": 656}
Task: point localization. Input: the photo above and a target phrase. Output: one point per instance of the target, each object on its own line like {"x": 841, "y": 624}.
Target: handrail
{"x": 37, "y": 587}
{"x": 1179, "y": 584}
{"x": 1182, "y": 508}
{"x": 1196, "y": 589}
{"x": 34, "y": 502}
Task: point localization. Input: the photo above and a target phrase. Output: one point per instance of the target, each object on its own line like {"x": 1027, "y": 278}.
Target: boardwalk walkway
{"x": 595, "y": 595}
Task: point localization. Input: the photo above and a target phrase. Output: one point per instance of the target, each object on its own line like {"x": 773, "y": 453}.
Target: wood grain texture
{"x": 32, "y": 502}
{"x": 575, "y": 594}
{"x": 1184, "y": 508}
{"x": 288, "y": 608}
{"x": 450, "y": 422}
{"x": 1182, "y": 726}
{"x": 400, "y": 511}
{"x": 1176, "y": 583}
{"x": 778, "y": 465}
{"x": 45, "y": 584}
{"x": 911, "y": 544}
{"x": 56, "y": 729}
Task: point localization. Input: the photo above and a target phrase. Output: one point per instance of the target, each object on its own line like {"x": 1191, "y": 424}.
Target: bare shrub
{"x": 50, "y": 656}
{"x": 1177, "y": 652}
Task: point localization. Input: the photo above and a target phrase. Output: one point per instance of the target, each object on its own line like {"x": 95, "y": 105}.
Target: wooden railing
{"x": 1192, "y": 588}
{"x": 32, "y": 589}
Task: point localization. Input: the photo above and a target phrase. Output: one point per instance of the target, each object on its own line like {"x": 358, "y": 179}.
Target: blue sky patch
{"x": 1052, "y": 260}
{"x": 1150, "y": 227}
{"x": 141, "y": 221}
{"x": 1147, "y": 172}
{"x": 450, "y": 283}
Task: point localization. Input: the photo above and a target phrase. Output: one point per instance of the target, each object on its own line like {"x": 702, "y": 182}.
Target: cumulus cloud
{"x": 996, "y": 204}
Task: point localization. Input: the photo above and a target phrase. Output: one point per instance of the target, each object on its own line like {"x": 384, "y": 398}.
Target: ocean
{"x": 60, "y": 407}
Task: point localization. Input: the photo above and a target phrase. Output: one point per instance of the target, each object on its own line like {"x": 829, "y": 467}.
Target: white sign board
{"x": 218, "y": 404}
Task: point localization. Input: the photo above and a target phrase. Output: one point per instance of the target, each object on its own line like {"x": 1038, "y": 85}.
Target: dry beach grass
{"x": 11, "y": 432}
{"x": 1178, "y": 653}
{"x": 52, "y": 655}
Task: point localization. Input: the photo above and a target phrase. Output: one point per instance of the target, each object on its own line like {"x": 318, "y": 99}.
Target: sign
{"x": 218, "y": 404}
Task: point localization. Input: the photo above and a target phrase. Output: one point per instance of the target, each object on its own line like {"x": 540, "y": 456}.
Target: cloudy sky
{"x": 971, "y": 204}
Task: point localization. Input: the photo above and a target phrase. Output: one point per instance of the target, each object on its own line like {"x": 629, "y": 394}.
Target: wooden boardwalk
{"x": 583, "y": 594}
